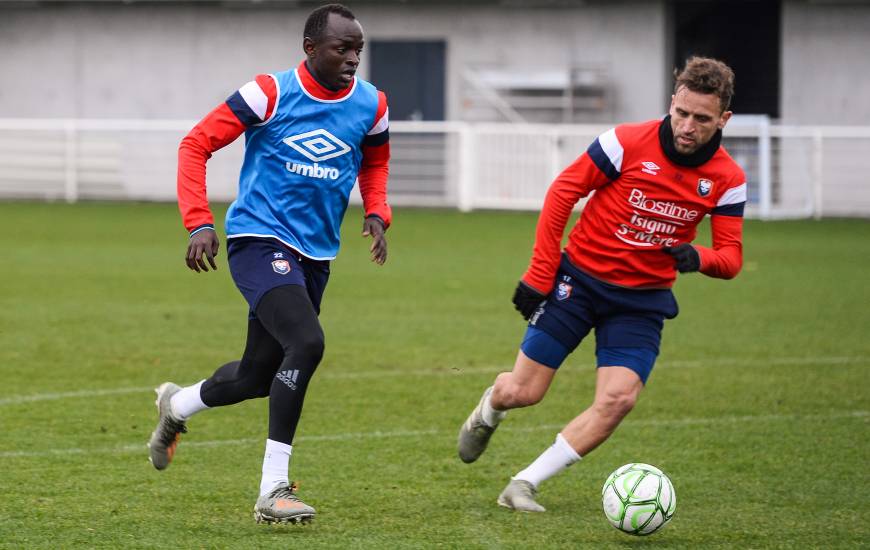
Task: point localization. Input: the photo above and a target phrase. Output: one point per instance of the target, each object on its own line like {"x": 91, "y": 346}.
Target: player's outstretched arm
{"x": 374, "y": 227}
{"x": 203, "y": 246}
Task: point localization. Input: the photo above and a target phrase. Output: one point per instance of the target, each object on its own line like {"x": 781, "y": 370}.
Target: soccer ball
{"x": 638, "y": 499}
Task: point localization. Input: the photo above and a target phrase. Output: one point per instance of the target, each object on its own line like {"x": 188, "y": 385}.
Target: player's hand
{"x": 686, "y": 257}
{"x": 527, "y": 299}
{"x": 374, "y": 227}
{"x": 203, "y": 243}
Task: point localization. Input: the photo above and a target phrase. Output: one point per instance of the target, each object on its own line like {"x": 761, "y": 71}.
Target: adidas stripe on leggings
{"x": 284, "y": 347}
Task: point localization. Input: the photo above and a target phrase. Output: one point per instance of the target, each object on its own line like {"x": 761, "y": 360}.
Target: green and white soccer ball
{"x": 639, "y": 499}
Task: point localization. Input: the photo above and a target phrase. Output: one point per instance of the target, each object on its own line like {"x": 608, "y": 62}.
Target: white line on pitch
{"x": 676, "y": 422}
{"x": 460, "y": 371}
{"x": 69, "y": 394}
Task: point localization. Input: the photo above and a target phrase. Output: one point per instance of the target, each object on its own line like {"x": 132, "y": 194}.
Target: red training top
{"x": 643, "y": 201}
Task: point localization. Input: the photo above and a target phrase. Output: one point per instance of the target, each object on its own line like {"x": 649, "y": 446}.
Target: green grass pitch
{"x": 758, "y": 408}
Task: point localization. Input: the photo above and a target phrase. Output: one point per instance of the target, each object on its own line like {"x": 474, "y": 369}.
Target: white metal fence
{"x": 793, "y": 171}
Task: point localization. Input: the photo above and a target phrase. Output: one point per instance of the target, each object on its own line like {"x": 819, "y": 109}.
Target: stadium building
{"x": 589, "y": 63}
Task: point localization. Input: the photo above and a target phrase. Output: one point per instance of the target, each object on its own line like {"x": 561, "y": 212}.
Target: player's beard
{"x": 686, "y": 149}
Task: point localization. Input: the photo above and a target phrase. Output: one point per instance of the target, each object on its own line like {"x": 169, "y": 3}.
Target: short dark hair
{"x": 706, "y": 75}
{"x": 316, "y": 22}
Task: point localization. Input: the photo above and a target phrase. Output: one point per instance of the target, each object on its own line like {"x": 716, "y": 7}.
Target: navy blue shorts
{"x": 259, "y": 265}
{"x": 628, "y": 322}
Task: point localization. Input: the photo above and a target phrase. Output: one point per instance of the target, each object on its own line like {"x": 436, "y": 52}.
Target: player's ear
{"x": 309, "y": 47}
{"x": 723, "y": 120}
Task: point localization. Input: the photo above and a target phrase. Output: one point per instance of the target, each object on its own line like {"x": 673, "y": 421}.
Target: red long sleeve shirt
{"x": 642, "y": 202}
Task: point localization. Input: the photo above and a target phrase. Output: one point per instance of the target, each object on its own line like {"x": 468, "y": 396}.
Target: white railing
{"x": 793, "y": 171}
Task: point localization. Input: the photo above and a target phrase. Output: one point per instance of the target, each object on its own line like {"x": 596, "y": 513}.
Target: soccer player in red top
{"x": 654, "y": 182}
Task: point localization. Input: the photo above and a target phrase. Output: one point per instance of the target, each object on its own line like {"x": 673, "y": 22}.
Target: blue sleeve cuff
{"x": 202, "y": 227}
{"x": 380, "y": 219}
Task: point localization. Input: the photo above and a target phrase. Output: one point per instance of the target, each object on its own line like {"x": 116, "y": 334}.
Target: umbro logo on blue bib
{"x": 317, "y": 145}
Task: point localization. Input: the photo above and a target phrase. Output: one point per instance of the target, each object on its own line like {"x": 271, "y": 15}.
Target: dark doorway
{"x": 743, "y": 33}
{"x": 412, "y": 76}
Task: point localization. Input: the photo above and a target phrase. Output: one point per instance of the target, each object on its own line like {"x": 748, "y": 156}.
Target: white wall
{"x": 154, "y": 61}
{"x": 826, "y": 63}
{"x": 179, "y": 61}
{"x": 625, "y": 38}
{"x": 825, "y": 81}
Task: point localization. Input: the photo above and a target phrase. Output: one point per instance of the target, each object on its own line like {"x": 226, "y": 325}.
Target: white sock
{"x": 491, "y": 416}
{"x": 276, "y": 463}
{"x": 187, "y": 402}
{"x": 556, "y": 458}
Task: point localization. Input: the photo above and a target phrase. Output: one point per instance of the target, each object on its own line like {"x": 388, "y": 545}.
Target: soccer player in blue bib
{"x": 310, "y": 133}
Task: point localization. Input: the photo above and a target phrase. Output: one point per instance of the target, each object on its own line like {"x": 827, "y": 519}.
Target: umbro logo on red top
{"x": 650, "y": 168}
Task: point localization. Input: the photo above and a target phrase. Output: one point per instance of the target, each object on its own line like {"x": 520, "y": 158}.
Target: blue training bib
{"x": 300, "y": 166}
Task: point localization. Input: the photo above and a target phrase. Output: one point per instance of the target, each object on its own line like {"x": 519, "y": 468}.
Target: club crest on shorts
{"x": 281, "y": 267}
{"x": 704, "y": 187}
{"x": 563, "y": 291}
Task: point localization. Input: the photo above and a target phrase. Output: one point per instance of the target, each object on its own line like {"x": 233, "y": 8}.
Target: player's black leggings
{"x": 284, "y": 347}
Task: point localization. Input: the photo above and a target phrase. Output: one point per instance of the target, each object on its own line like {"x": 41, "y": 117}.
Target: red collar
{"x": 316, "y": 89}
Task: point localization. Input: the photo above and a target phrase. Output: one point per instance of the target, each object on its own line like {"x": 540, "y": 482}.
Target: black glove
{"x": 688, "y": 259}
{"x": 527, "y": 299}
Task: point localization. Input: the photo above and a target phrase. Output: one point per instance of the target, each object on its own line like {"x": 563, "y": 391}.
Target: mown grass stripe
{"x": 675, "y": 422}
{"x": 460, "y": 371}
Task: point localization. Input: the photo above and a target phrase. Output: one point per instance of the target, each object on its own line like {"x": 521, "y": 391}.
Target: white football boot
{"x": 165, "y": 437}
{"x": 281, "y": 505}
{"x": 520, "y": 495}
{"x": 475, "y": 433}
